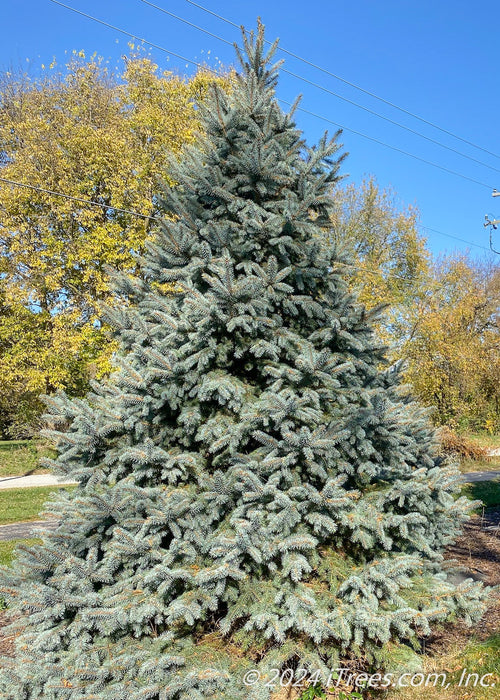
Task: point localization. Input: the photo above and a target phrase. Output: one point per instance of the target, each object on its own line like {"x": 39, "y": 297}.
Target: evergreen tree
{"x": 254, "y": 490}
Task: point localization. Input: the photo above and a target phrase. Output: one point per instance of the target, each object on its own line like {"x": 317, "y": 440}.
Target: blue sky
{"x": 437, "y": 59}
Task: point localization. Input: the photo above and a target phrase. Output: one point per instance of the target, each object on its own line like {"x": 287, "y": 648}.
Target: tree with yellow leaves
{"x": 453, "y": 348}
{"x": 93, "y": 135}
{"x": 391, "y": 262}
{"x": 441, "y": 316}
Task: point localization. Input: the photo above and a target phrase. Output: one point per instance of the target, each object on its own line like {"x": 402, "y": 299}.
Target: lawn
{"x": 486, "y": 491}
{"x": 18, "y": 505}
{"x": 485, "y": 439}
{"x": 21, "y": 457}
{"x": 7, "y": 549}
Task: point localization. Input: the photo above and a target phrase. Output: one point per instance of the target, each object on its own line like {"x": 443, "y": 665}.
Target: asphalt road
{"x": 21, "y": 531}
{"x": 471, "y": 477}
{"x": 23, "y": 482}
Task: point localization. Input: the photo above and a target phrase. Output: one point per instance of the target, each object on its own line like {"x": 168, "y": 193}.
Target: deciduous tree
{"x": 389, "y": 261}
{"x": 90, "y": 134}
{"x": 453, "y": 344}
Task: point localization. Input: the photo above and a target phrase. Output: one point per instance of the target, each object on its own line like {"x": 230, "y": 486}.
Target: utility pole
{"x": 493, "y": 224}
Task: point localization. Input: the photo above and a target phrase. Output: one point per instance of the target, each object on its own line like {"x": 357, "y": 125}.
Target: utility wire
{"x": 456, "y": 238}
{"x": 132, "y": 36}
{"x": 347, "y": 82}
{"x": 89, "y": 202}
{"x": 283, "y": 70}
{"x": 75, "y": 199}
{"x": 318, "y": 116}
{"x": 327, "y": 90}
{"x": 163, "y": 49}
{"x": 393, "y": 148}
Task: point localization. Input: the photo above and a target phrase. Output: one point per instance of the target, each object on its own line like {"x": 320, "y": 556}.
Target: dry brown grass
{"x": 461, "y": 447}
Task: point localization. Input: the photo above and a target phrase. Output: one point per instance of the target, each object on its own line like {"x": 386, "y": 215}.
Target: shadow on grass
{"x": 486, "y": 491}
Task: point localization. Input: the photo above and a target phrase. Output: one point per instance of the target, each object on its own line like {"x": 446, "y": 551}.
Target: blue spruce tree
{"x": 255, "y": 488}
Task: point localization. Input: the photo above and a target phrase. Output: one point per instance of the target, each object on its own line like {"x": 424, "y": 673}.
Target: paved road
{"x": 472, "y": 477}
{"x": 22, "y": 482}
{"x": 18, "y": 531}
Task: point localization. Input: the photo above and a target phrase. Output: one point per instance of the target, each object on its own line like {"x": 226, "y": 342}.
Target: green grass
{"x": 483, "y": 656}
{"x": 18, "y": 505}
{"x": 7, "y": 444}
{"x": 7, "y": 549}
{"x": 474, "y": 656}
{"x": 486, "y": 491}
{"x": 485, "y": 439}
{"x": 21, "y": 457}
{"x": 7, "y": 553}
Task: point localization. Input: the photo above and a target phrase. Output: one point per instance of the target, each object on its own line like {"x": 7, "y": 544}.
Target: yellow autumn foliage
{"x": 441, "y": 317}
{"x": 91, "y": 134}
{"x": 453, "y": 345}
{"x": 390, "y": 261}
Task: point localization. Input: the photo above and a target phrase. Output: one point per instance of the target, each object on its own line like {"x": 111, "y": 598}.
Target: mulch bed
{"x": 478, "y": 551}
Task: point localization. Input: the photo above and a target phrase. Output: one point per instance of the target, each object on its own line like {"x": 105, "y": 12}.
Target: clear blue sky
{"x": 435, "y": 58}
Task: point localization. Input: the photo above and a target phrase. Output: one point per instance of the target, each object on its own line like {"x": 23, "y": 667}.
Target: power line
{"x": 328, "y": 91}
{"x": 382, "y": 143}
{"x": 387, "y": 145}
{"x": 390, "y": 121}
{"x": 76, "y": 199}
{"x": 132, "y": 36}
{"x": 318, "y": 116}
{"x": 456, "y": 238}
{"x": 186, "y": 21}
{"x": 347, "y": 82}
